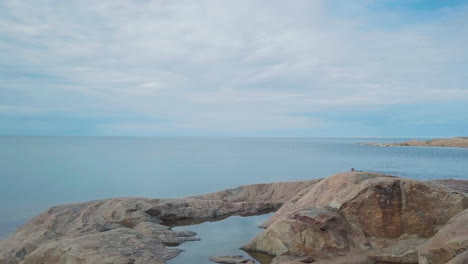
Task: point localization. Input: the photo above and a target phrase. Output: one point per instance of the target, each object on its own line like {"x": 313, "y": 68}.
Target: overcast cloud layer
{"x": 237, "y": 68}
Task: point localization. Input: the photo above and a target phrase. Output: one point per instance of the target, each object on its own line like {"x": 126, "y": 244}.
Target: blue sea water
{"x": 39, "y": 172}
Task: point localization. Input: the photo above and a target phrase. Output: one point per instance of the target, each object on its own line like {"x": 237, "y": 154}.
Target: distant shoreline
{"x": 455, "y": 142}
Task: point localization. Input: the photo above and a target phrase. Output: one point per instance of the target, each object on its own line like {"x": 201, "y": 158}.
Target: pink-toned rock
{"x": 450, "y": 241}
{"x": 279, "y": 192}
{"x": 132, "y": 230}
{"x": 348, "y": 218}
{"x": 358, "y": 213}
{"x": 117, "y": 246}
{"x": 316, "y": 232}
{"x": 460, "y": 259}
{"x": 456, "y": 185}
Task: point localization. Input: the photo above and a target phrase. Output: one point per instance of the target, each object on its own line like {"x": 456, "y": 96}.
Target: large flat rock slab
{"x": 132, "y": 230}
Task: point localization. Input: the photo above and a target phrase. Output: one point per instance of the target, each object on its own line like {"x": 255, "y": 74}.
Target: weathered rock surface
{"x": 458, "y": 142}
{"x": 260, "y": 193}
{"x": 460, "y": 259}
{"x": 456, "y": 185}
{"x": 132, "y": 230}
{"x": 448, "y": 242}
{"x": 231, "y": 259}
{"x": 381, "y": 218}
{"x": 348, "y": 218}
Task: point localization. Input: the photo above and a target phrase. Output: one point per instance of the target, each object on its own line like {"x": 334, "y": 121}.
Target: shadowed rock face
{"x": 449, "y": 242}
{"x": 382, "y": 217}
{"x": 132, "y": 230}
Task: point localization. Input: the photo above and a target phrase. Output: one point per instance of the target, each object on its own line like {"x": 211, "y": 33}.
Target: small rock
{"x": 185, "y": 233}
{"x": 189, "y": 239}
{"x": 231, "y": 259}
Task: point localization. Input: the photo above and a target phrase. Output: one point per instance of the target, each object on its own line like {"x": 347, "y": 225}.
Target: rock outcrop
{"x": 450, "y": 241}
{"x": 347, "y": 218}
{"x": 371, "y": 218}
{"x": 456, "y": 142}
{"x": 132, "y": 230}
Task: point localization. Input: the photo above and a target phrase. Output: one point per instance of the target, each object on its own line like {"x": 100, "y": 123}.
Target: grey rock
{"x": 231, "y": 259}
{"x": 132, "y": 230}
{"x": 185, "y": 233}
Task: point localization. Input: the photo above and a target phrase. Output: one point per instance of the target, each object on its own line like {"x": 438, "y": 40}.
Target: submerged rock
{"x": 231, "y": 259}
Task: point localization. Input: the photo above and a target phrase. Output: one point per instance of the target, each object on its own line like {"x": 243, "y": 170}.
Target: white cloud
{"x": 214, "y": 63}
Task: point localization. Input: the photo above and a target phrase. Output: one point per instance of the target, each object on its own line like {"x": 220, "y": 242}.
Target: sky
{"x": 317, "y": 68}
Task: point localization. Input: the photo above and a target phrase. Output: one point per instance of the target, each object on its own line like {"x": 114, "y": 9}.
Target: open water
{"x": 39, "y": 172}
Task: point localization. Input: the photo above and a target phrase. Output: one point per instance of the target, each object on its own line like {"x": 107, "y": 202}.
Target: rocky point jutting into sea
{"x": 455, "y": 142}
{"x": 356, "y": 217}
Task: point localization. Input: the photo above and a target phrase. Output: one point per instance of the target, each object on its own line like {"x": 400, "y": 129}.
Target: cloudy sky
{"x": 234, "y": 68}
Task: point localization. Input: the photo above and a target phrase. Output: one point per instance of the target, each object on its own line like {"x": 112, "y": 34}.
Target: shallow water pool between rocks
{"x": 219, "y": 238}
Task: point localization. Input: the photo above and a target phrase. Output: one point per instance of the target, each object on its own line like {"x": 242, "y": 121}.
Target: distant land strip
{"x": 455, "y": 142}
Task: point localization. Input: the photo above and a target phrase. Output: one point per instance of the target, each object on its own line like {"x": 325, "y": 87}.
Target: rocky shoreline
{"x": 456, "y": 142}
{"x": 356, "y": 217}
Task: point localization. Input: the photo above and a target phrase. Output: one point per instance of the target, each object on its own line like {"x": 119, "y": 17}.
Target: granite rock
{"x": 132, "y": 230}
{"x": 379, "y": 217}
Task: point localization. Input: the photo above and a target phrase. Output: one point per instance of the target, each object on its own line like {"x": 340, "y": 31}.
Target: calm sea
{"x": 39, "y": 172}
